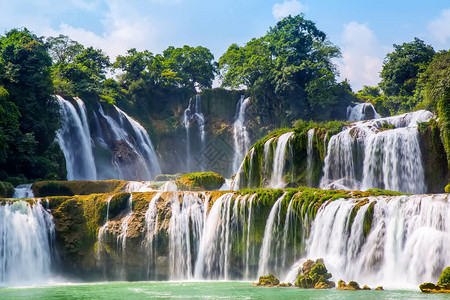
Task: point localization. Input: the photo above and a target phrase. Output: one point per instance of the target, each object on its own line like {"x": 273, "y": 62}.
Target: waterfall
{"x": 309, "y": 154}
{"x": 279, "y": 161}
{"x": 270, "y": 231}
{"x": 382, "y": 153}
{"x": 409, "y": 240}
{"x": 194, "y": 113}
{"x": 23, "y": 191}
{"x": 240, "y": 134}
{"x": 134, "y": 157}
{"x": 214, "y": 251}
{"x": 27, "y": 234}
{"x": 361, "y": 112}
{"x": 122, "y": 238}
{"x": 151, "y": 221}
{"x": 75, "y": 142}
{"x": 185, "y": 228}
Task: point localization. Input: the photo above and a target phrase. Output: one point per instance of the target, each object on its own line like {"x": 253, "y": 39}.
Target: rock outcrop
{"x": 314, "y": 275}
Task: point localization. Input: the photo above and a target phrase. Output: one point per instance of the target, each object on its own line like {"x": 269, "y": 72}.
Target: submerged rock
{"x": 351, "y": 286}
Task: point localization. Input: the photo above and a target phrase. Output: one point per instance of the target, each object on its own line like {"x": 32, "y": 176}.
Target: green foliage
{"x": 434, "y": 86}
{"x": 402, "y": 67}
{"x": 200, "y": 181}
{"x": 29, "y": 115}
{"x": 447, "y": 188}
{"x": 6, "y": 189}
{"x": 445, "y": 276}
{"x": 288, "y": 71}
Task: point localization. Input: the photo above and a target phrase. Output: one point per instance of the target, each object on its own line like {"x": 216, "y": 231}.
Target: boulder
{"x": 429, "y": 287}
{"x": 351, "y": 286}
{"x": 379, "y": 288}
{"x": 314, "y": 275}
{"x": 366, "y": 288}
{"x": 443, "y": 285}
{"x": 268, "y": 280}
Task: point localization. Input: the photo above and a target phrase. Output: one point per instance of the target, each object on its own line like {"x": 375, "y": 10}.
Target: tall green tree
{"x": 290, "y": 70}
{"x": 403, "y": 66}
{"x": 434, "y": 86}
{"x": 26, "y": 78}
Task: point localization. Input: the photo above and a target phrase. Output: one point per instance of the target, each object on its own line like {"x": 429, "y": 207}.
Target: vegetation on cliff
{"x": 203, "y": 181}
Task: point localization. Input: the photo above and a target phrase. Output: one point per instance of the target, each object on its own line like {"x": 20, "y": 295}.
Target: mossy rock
{"x": 203, "y": 181}
{"x": 167, "y": 177}
{"x": 351, "y": 286}
{"x": 315, "y": 275}
{"x": 6, "y": 189}
{"x": 447, "y": 188}
{"x": 268, "y": 280}
{"x": 78, "y": 187}
{"x": 445, "y": 276}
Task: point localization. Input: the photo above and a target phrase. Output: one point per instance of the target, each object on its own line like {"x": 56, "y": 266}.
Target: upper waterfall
{"x": 382, "y": 153}
{"x": 240, "y": 134}
{"x": 116, "y": 147}
{"x": 361, "y": 112}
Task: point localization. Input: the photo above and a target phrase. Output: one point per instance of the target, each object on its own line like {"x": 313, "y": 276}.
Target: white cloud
{"x": 124, "y": 28}
{"x": 292, "y": 7}
{"x": 361, "y": 60}
{"x": 440, "y": 27}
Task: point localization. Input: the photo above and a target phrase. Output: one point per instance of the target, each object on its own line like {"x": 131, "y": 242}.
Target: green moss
{"x": 368, "y": 218}
{"x": 445, "y": 276}
{"x": 80, "y": 187}
{"x": 447, "y": 188}
{"x": 167, "y": 177}
{"x": 6, "y": 189}
{"x": 200, "y": 181}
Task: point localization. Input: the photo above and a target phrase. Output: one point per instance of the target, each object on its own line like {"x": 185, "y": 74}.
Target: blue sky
{"x": 364, "y": 30}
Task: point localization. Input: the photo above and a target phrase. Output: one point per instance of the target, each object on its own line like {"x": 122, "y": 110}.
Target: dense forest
{"x": 289, "y": 73}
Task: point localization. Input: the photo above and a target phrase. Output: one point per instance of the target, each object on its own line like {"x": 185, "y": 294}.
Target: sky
{"x": 365, "y": 31}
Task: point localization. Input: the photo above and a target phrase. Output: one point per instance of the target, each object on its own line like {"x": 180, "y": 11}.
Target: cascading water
{"x": 408, "y": 242}
{"x": 269, "y": 236}
{"x": 185, "y": 228}
{"x": 194, "y": 113}
{"x": 279, "y": 161}
{"x": 240, "y": 134}
{"x": 27, "y": 234}
{"x": 368, "y": 155}
{"x": 75, "y": 143}
{"x": 23, "y": 191}
{"x": 361, "y": 112}
{"x": 310, "y": 161}
{"x": 134, "y": 157}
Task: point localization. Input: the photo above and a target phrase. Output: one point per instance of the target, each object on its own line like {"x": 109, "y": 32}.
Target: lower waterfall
{"x": 26, "y": 244}
{"x": 388, "y": 240}
{"x": 407, "y": 242}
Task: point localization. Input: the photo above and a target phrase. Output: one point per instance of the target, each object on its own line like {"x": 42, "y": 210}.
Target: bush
{"x": 445, "y": 276}
{"x": 200, "y": 181}
{"x": 6, "y": 189}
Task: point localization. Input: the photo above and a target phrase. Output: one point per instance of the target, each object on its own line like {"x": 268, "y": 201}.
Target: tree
{"x": 402, "y": 67}
{"x": 194, "y": 67}
{"x": 62, "y": 49}
{"x": 291, "y": 66}
{"x": 29, "y": 114}
{"x": 434, "y": 87}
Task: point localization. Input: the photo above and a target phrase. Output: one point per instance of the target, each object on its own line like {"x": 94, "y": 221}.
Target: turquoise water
{"x": 196, "y": 290}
